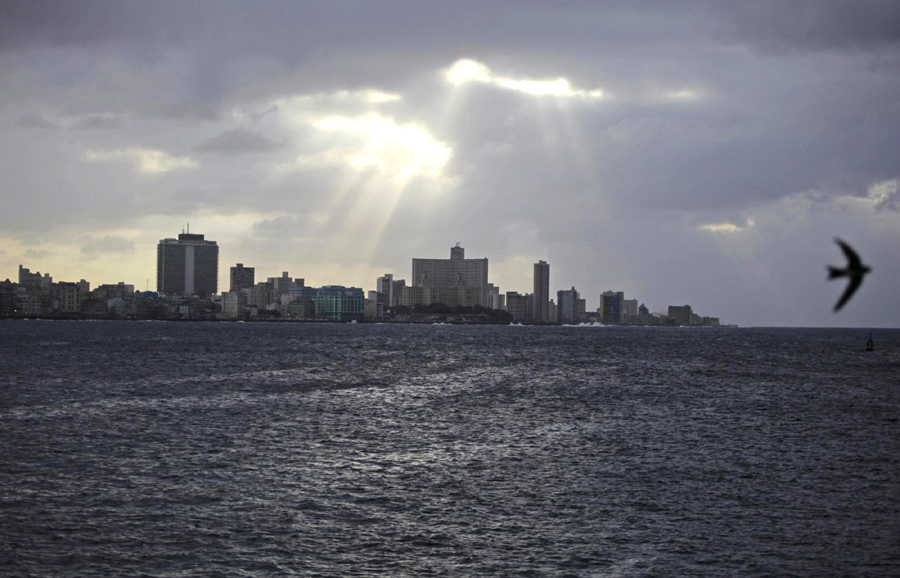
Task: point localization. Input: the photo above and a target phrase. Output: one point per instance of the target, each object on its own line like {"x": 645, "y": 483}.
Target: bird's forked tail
{"x": 834, "y": 272}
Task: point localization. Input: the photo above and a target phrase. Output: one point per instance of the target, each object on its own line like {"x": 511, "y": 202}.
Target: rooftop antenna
{"x": 182, "y": 229}
{"x": 189, "y": 227}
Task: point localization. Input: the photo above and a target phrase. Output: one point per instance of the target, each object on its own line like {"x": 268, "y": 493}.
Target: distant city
{"x": 455, "y": 290}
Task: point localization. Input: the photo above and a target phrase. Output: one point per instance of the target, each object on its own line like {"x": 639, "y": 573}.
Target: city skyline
{"x": 705, "y": 153}
{"x": 185, "y": 275}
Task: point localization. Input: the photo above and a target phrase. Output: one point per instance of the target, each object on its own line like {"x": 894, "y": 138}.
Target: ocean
{"x": 256, "y": 449}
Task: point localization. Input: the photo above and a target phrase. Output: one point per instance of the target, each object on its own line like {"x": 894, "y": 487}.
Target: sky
{"x": 701, "y": 152}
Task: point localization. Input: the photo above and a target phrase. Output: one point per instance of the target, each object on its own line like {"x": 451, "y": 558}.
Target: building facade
{"x": 391, "y": 290}
{"x": 515, "y": 304}
{"x": 242, "y": 277}
{"x": 338, "y": 303}
{"x": 281, "y": 285}
{"x": 569, "y": 306}
{"x": 234, "y": 305}
{"x": 680, "y": 315}
{"x": 541, "y": 311}
{"x": 188, "y": 265}
{"x": 493, "y": 293}
{"x": 630, "y": 310}
{"x": 457, "y": 271}
{"x": 612, "y": 307}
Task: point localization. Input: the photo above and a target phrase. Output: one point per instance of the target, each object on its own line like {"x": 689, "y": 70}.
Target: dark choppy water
{"x": 174, "y": 449}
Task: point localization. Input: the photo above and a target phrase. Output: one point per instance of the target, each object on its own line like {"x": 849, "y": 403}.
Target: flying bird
{"x": 855, "y": 270}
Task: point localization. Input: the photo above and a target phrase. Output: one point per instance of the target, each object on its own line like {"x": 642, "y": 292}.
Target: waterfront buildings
{"x": 187, "y": 270}
{"x": 541, "y": 307}
{"x": 68, "y": 296}
{"x": 570, "y": 307}
{"x": 301, "y": 309}
{"x": 8, "y": 291}
{"x": 188, "y": 265}
{"x": 495, "y": 300}
{"x": 453, "y": 281}
{"x": 630, "y": 309}
{"x": 282, "y": 285}
{"x": 34, "y": 281}
{"x": 390, "y": 292}
{"x": 612, "y": 307}
{"x": 120, "y": 290}
{"x": 680, "y": 315}
{"x": 529, "y": 307}
{"x": 242, "y": 277}
{"x": 384, "y": 288}
{"x": 338, "y": 303}
{"x": 260, "y": 295}
{"x": 515, "y": 304}
{"x": 234, "y": 305}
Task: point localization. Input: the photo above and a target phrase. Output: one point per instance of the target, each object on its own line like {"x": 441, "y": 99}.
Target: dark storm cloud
{"x": 88, "y": 23}
{"x": 812, "y": 24}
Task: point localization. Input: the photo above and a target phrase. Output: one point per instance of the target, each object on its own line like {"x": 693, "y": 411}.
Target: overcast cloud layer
{"x": 706, "y": 154}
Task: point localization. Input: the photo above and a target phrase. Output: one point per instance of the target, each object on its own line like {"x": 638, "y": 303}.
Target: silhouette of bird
{"x": 855, "y": 270}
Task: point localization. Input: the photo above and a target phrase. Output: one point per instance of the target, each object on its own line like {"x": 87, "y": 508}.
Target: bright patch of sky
{"x": 466, "y": 70}
{"x": 726, "y": 227}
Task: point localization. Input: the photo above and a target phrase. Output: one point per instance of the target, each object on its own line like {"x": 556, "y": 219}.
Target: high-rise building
{"x": 515, "y": 304}
{"x": 242, "y": 277}
{"x": 188, "y": 265}
{"x": 529, "y": 307}
{"x": 493, "y": 296}
{"x": 569, "y": 306}
{"x": 385, "y": 286}
{"x": 612, "y": 307}
{"x": 391, "y": 290}
{"x": 7, "y": 298}
{"x": 463, "y": 280}
{"x": 541, "y": 312}
{"x": 630, "y": 309}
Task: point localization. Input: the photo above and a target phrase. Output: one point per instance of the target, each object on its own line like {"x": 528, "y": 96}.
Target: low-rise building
{"x": 338, "y": 303}
{"x": 234, "y": 305}
{"x": 301, "y": 309}
{"x": 680, "y": 314}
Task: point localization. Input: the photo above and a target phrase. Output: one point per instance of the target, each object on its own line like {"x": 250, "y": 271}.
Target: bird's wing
{"x": 855, "y": 282}
{"x": 852, "y": 257}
